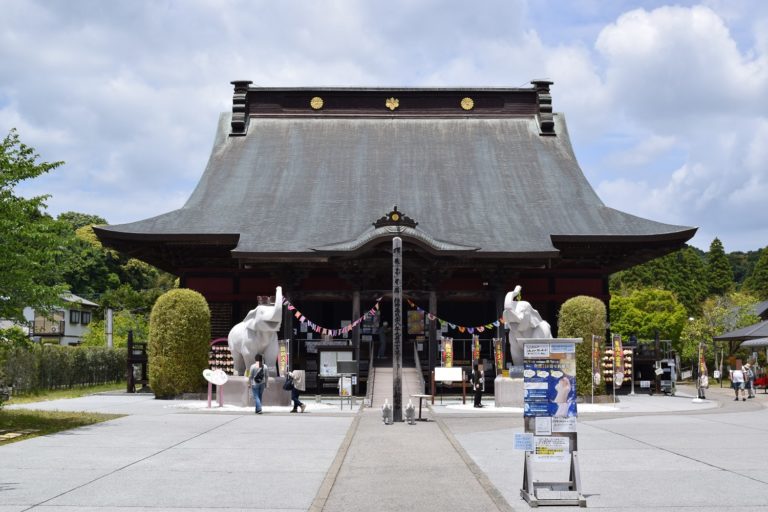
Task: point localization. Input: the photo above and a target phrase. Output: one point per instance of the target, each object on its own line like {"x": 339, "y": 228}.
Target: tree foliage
{"x": 31, "y": 246}
{"x": 122, "y": 322}
{"x": 742, "y": 264}
{"x": 681, "y": 272}
{"x": 757, "y": 282}
{"x": 179, "y": 336}
{"x": 719, "y": 315}
{"x": 719, "y": 272}
{"x": 78, "y": 220}
{"x": 582, "y": 317}
{"x": 645, "y": 311}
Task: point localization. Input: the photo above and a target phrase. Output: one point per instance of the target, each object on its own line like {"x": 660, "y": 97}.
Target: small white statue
{"x": 410, "y": 413}
{"x": 257, "y": 334}
{"x": 386, "y": 412}
{"x": 523, "y": 322}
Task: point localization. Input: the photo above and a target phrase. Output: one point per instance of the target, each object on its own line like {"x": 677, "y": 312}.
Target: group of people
{"x": 743, "y": 381}
{"x": 258, "y": 379}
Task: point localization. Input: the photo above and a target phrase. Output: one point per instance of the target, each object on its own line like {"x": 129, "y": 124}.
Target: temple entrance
{"x": 382, "y": 352}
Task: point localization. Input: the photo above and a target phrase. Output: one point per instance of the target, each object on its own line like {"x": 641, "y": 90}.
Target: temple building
{"x": 306, "y": 187}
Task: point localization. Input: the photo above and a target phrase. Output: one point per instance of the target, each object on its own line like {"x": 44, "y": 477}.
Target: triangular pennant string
{"x": 461, "y": 328}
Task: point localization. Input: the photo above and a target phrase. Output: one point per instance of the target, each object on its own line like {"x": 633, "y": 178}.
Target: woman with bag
{"x": 295, "y": 382}
{"x": 257, "y": 375}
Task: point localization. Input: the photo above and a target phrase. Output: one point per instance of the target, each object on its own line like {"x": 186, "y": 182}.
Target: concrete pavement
{"x": 647, "y": 453}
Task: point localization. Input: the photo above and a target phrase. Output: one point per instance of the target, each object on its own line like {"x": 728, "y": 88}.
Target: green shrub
{"x": 179, "y": 335}
{"x": 46, "y": 367}
{"x": 583, "y": 317}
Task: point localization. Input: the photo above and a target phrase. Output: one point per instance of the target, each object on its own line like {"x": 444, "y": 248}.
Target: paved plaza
{"x": 656, "y": 453}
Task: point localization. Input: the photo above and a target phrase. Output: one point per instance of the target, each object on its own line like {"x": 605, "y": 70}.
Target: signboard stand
{"x": 550, "y": 420}
{"x": 552, "y": 493}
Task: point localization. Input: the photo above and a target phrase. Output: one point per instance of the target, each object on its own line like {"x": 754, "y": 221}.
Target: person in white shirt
{"x": 737, "y": 381}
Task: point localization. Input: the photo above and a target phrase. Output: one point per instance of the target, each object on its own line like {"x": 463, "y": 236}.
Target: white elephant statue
{"x": 523, "y": 322}
{"x": 257, "y": 334}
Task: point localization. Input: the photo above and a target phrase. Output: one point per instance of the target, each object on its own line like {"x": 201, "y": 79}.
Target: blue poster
{"x": 549, "y": 387}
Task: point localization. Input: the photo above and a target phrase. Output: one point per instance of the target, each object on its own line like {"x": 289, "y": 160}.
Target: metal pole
{"x": 592, "y": 364}
{"x": 108, "y": 327}
{"x": 632, "y": 373}
{"x": 397, "y": 329}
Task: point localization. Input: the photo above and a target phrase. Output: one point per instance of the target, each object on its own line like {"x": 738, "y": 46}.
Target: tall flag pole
{"x": 397, "y": 329}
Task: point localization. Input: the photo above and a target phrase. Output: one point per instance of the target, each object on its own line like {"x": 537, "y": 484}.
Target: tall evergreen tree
{"x": 719, "y": 271}
{"x": 681, "y": 272}
{"x": 757, "y": 281}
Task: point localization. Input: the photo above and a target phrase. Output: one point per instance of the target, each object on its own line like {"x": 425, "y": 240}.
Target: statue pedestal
{"x": 237, "y": 391}
{"x": 508, "y": 392}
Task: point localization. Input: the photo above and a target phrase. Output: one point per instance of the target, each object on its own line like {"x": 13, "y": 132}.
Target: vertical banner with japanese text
{"x": 597, "y": 359}
{"x": 283, "y": 356}
{"x": 498, "y": 354}
{"x": 618, "y": 361}
{"x": 447, "y": 352}
{"x": 475, "y": 347}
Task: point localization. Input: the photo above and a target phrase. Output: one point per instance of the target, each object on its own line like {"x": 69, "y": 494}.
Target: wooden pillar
{"x": 397, "y": 329}
{"x": 356, "y": 329}
{"x": 432, "y": 341}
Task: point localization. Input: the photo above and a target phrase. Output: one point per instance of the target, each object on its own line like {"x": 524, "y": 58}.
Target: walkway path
{"x": 648, "y": 454}
{"x": 402, "y": 466}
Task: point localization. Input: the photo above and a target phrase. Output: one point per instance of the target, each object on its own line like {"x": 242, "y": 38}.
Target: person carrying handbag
{"x": 296, "y": 383}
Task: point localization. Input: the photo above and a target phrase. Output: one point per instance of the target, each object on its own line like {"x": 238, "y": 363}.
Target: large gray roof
{"x": 493, "y": 185}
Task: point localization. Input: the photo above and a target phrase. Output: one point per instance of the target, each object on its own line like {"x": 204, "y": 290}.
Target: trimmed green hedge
{"x": 179, "y": 336}
{"x": 43, "y": 367}
{"x": 582, "y": 317}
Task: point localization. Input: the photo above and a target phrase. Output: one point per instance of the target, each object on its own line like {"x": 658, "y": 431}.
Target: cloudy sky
{"x": 667, "y": 104}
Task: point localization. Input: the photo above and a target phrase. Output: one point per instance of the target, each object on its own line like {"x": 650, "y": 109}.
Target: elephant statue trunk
{"x": 257, "y": 334}
{"x": 523, "y": 321}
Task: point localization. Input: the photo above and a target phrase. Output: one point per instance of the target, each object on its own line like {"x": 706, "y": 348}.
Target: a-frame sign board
{"x": 550, "y": 418}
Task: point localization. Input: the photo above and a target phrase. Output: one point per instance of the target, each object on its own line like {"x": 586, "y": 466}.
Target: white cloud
{"x": 677, "y": 74}
{"x": 666, "y": 107}
{"x": 643, "y": 152}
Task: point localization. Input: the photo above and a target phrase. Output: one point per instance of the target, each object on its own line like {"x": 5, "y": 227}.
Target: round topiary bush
{"x": 582, "y": 317}
{"x": 179, "y": 333}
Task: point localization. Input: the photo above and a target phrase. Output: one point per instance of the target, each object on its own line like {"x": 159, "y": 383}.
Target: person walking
{"x": 257, "y": 375}
{"x": 737, "y": 382}
{"x": 477, "y": 382}
{"x": 749, "y": 380}
{"x": 298, "y": 385}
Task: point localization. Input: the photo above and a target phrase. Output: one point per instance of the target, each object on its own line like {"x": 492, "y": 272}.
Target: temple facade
{"x": 306, "y": 187}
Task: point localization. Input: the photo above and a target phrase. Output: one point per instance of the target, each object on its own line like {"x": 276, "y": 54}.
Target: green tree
{"x": 78, "y": 220}
{"x": 681, "y": 272}
{"x": 719, "y": 272}
{"x": 645, "y": 311}
{"x": 179, "y": 334}
{"x": 719, "y": 315}
{"x": 757, "y": 282}
{"x": 31, "y": 242}
{"x": 583, "y": 317}
{"x": 742, "y": 264}
{"x": 122, "y": 322}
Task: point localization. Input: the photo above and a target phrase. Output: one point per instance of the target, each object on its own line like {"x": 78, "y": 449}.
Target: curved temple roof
{"x": 308, "y": 184}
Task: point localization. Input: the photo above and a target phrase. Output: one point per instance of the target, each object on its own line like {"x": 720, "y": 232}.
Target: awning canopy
{"x": 756, "y": 343}
{"x": 751, "y": 332}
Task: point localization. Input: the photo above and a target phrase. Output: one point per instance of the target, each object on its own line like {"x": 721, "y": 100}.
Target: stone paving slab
{"x": 653, "y": 454}
{"x": 165, "y": 459}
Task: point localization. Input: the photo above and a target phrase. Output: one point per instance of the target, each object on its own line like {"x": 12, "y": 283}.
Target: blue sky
{"x": 665, "y": 103}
